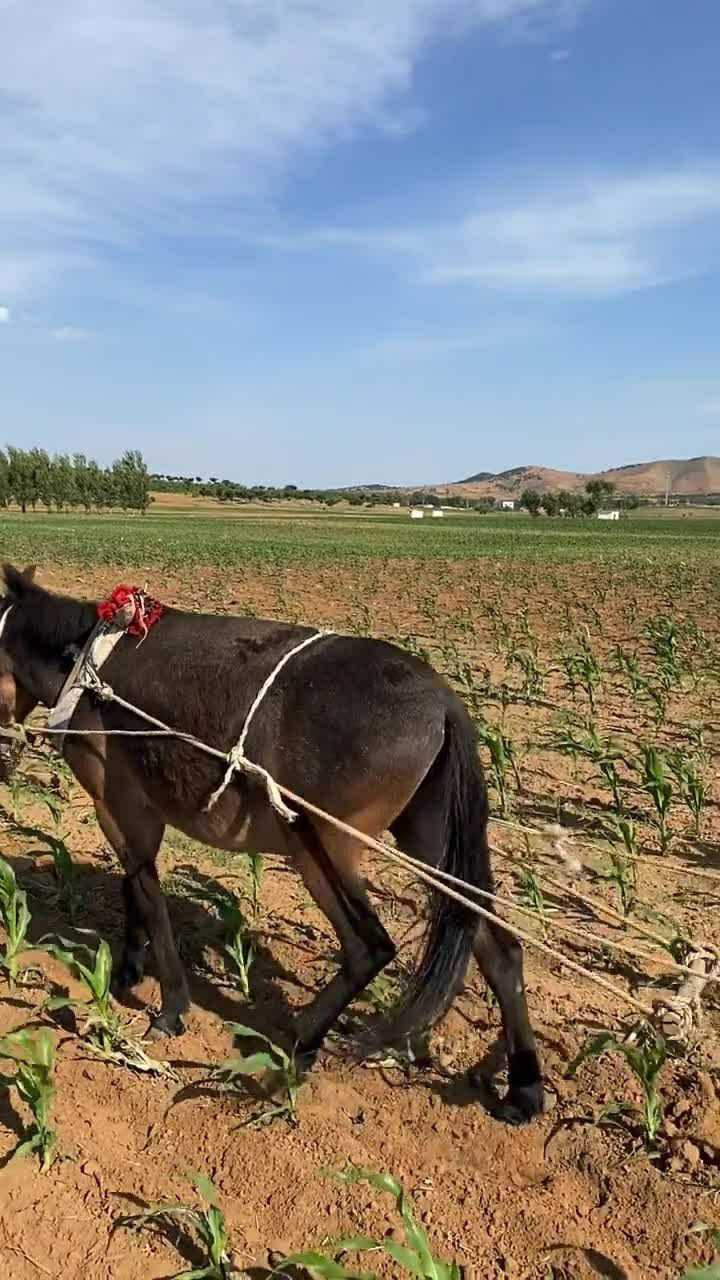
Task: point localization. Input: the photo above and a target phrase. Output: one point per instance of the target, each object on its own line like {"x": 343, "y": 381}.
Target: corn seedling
{"x": 257, "y": 868}
{"x": 604, "y": 753}
{"x": 64, "y": 868}
{"x": 15, "y": 919}
{"x": 238, "y": 945}
{"x": 34, "y": 1058}
{"x": 622, "y": 872}
{"x": 102, "y": 1031}
{"x": 627, "y": 665}
{"x": 691, "y": 786}
{"x": 382, "y": 994}
{"x": 533, "y": 679}
{"x": 655, "y": 782}
{"x": 531, "y": 894}
{"x": 582, "y": 671}
{"x": 502, "y": 759}
{"x": 283, "y": 1067}
{"x": 207, "y": 1226}
{"x": 645, "y": 1053}
{"x": 414, "y": 1255}
{"x": 712, "y": 1271}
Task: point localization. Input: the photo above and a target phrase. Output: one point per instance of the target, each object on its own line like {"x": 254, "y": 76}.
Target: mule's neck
{"x": 43, "y": 642}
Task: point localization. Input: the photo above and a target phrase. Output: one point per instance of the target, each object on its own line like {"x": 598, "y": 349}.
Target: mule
{"x": 362, "y": 729}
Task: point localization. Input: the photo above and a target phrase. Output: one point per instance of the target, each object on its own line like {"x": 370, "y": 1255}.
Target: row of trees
{"x": 32, "y": 477}
{"x": 231, "y": 491}
{"x": 565, "y": 503}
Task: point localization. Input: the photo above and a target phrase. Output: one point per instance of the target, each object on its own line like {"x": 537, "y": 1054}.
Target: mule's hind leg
{"x": 499, "y": 956}
{"x": 334, "y": 884}
{"x": 136, "y": 837}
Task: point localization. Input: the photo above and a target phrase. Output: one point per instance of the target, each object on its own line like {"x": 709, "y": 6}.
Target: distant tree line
{"x": 231, "y": 491}
{"x": 565, "y": 503}
{"x": 61, "y": 482}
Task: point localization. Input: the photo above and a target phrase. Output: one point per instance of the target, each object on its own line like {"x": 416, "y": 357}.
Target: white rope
{"x": 238, "y": 761}
{"x": 3, "y": 619}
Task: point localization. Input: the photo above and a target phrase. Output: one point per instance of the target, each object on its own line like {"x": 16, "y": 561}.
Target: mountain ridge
{"x": 687, "y": 477}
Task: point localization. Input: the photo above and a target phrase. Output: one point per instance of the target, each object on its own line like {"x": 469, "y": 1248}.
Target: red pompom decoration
{"x": 141, "y": 610}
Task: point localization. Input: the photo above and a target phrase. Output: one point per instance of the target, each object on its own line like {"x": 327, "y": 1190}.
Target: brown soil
{"x": 564, "y": 1197}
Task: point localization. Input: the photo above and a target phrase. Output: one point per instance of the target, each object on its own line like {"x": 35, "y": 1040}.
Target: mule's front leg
{"x": 131, "y": 969}
{"x": 136, "y": 832}
{"x": 152, "y": 909}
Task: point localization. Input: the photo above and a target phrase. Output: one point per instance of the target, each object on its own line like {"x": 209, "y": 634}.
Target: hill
{"x": 688, "y": 476}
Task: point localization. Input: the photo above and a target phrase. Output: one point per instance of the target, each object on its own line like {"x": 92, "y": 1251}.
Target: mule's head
{"x": 15, "y": 701}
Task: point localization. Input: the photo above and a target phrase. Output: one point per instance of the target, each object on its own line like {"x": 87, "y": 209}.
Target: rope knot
{"x": 239, "y": 763}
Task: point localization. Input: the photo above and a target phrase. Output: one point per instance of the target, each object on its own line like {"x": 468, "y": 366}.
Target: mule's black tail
{"x": 455, "y": 781}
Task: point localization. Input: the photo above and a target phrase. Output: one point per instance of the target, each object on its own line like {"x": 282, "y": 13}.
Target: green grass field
{"x": 170, "y": 539}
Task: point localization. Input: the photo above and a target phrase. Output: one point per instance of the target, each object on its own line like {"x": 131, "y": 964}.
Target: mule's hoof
{"x": 164, "y": 1025}
{"x": 522, "y": 1104}
{"x": 306, "y": 1058}
{"x": 125, "y": 980}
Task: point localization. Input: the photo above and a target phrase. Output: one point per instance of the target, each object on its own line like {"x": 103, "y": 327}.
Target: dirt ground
{"x": 566, "y": 1197}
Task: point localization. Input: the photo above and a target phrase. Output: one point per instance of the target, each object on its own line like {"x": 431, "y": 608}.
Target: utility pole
{"x": 667, "y": 489}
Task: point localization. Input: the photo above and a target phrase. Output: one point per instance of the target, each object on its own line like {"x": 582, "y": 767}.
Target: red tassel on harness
{"x": 142, "y": 610}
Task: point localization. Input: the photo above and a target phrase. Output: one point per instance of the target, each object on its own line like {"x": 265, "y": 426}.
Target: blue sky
{"x": 396, "y": 240}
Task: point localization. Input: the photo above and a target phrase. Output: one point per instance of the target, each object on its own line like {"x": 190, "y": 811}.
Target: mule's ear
{"x": 29, "y": 572}
{"x": 18, "y": 580}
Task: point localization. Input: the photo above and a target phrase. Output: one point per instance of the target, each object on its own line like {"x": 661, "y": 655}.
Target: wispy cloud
{"x": 127, "y": 117}
{"x": 710, "y": 408}
{"x": 70, "y": 333}
{"x": 552, "y": 233}
{"x": 4, "y": 315}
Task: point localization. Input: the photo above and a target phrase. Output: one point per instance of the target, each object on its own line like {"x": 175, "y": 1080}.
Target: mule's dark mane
{"x": 51, "y": 622}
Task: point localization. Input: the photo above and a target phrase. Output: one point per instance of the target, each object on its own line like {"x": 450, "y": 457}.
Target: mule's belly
{"x": 251, "y": 829}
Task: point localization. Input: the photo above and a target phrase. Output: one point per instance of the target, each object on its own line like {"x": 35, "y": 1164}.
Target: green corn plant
{"x": 582, "y": 671}
{"x": 655, "y": 782}
{"x": 239, "y": 946}
{"x": 102, "y": 1031}
{"x": 206, "y": 1225}
{"x": 274, "y": 1060}
{"x": 712, "y": 1271}
{"x": 622, "y": 873}
{"x": 645, "y": 1053}
{"x": 257, "y": 869}
{"x": 414, "y": 1255}
{"x": 102, "y": 1027}
{"x": 533, "y": 682}
{"x": 604, "y": 753}
{"x": 663, "y": 639}
{"x": 531, "y": 894}
{"x": 627, "y": 665}
{"x": 382, "y": 994}
{"x": 34, "y": 1058}
{"x": 502, "y": 759}
{"x": 691, "y": 785}
{"x": 15, "y": 919}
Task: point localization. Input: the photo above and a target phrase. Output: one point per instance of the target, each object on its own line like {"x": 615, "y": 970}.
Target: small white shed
{"x": 437, "y": 514}
{"x": 608, "y": 515}
{"x": 417, "y": 515}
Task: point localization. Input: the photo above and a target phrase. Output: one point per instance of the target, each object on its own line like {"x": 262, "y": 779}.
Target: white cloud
{"x": 70, "y": 333}
{"x": 577, "y": 235}
{"x": 710, "y": 408}
{"x": 4, "y": 315}
{"x": 128, "y": 117}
